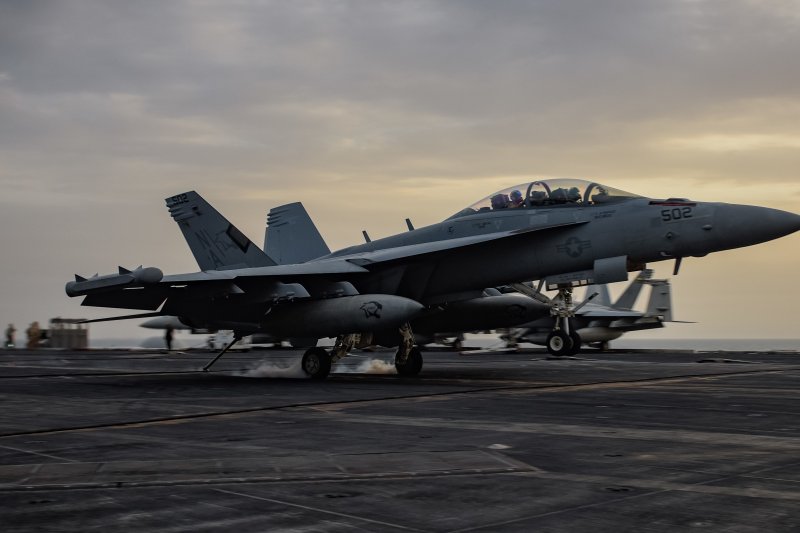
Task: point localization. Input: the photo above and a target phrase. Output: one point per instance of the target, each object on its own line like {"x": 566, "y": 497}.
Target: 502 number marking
{"x": 179, "y": 199}
{"x": 676, "y": 213}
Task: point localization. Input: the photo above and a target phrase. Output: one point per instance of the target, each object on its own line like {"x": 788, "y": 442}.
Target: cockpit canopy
{"x": 548, "y": 193}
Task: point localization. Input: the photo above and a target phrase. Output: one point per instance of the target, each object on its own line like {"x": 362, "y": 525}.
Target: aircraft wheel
{"x": 316, "y": 363}
{"x": 576, "y": 342}
{"x": 559, "y": 343}
{"x": 413, "y": 363}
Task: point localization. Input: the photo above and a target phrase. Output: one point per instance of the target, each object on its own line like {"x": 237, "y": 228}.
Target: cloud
{"x": 392, "y": 109}
{"x": 734, "y": 143}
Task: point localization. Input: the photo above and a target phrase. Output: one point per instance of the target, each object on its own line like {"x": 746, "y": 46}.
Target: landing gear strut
{"x": 412, "y": 364}
{"x": 564, "y": 340}
{"x": 343, "y": 345}
{"x": 317, "y": 362}
{"x": 408, "y": 360}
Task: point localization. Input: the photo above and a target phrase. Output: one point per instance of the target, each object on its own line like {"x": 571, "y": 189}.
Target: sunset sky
{"x": 373, "y": 111}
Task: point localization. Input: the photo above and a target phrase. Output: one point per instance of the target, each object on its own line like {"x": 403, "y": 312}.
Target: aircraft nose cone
{"x": 743, "y": 225}
{"x": 790, "y": 221}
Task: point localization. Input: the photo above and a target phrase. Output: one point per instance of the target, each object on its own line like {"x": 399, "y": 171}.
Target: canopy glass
{"x": 548, "y": 193}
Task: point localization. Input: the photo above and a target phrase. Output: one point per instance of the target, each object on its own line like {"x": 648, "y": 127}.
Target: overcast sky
{"x": 370, "y": 112}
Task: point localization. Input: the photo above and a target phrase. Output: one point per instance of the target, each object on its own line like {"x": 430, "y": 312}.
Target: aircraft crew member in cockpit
{"x": 516, "y": 199}
{"x": 499, "y": 201}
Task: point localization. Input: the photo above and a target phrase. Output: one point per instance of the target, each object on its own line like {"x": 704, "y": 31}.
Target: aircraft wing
{"x": 127, "y": 291}
{"x": 318, "y": 268}
{"x": 315, "y": 279}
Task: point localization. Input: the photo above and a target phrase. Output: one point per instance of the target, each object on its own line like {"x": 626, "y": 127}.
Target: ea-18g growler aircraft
{"x": 601, "y": 321}
{"x": 563, "y": 232}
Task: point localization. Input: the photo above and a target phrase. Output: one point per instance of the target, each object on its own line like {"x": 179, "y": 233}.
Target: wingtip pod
{"x": 140, "y": 275}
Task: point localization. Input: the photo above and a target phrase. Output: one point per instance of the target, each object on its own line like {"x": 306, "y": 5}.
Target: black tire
{"x": 576, "y": 342}
{"x": 559, "y": 343}
{"x": 413, "y": 364}
{"x": 316, "y": 363}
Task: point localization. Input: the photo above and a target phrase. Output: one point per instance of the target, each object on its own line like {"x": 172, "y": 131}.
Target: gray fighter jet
{"x": 601, "y": 320}
{"x": 565, "y": 233}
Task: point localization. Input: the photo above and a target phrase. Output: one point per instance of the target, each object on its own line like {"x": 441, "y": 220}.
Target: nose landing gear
{"x": 563, "y": 340}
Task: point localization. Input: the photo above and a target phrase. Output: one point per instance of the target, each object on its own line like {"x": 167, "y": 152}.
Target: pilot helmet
{"x": 499, "y": 201}
{"x": 516, "y": 196}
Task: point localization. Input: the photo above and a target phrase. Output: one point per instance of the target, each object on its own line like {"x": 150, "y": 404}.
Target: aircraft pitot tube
{"x": 137, "y": 276}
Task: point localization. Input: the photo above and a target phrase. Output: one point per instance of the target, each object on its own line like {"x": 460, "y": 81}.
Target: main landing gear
{"x": 317, "y": 362}
{"x": 408, "y": 360}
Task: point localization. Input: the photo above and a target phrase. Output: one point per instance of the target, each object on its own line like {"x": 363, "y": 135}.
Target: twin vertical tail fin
{"x": 291, "y": 235}
{"x": 603, "y": 296}
{"x": 660, "y": 303}
{"x": 628, "y": 297}
{"x": 215, "y": 243}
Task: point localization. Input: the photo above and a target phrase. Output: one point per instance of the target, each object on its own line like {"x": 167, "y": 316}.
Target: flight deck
{"x": 499, "y": 441}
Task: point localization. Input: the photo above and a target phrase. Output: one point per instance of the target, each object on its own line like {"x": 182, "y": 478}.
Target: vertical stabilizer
{"x": 216, "y": 243}
{"x": 660, "y": 303}
{"x": 291, "y": 235}
{"x": 628, "y": 297}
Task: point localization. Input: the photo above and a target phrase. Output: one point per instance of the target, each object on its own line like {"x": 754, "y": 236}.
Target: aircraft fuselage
{"x": 640, "y": 229}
